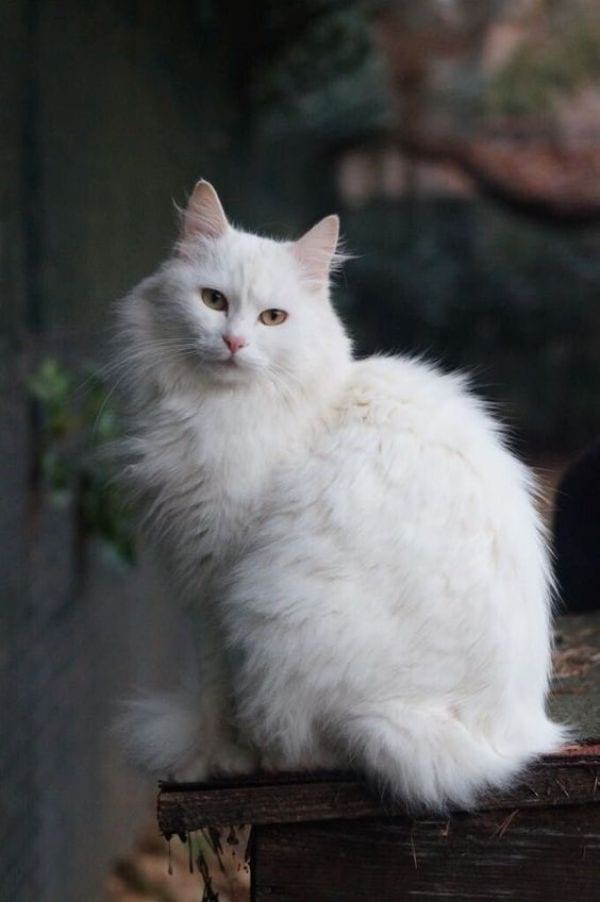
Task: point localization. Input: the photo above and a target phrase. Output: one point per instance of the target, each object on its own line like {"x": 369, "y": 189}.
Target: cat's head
{"x": 236, "y": 307}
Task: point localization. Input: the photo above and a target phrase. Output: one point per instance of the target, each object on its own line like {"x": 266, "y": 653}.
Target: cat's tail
{"x": 161, "y": 733}
{"x": 429, "y": 759}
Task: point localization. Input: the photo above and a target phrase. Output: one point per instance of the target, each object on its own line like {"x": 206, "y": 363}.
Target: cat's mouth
{"x": 230, "y": 363}
{"x": 235, "y": 363}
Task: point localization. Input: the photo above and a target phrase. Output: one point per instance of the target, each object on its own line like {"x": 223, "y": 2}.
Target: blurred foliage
{"x": 541, "y": 72}
{"x": 286, "y": 49}
{"x": 310, "y": 43}
{"x": 286, "y": 64}
{"x": 78, "y": 421}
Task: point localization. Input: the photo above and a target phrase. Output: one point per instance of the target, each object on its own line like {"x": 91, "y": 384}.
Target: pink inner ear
{"x": 315, "y": 249}
{"x": 204, "y": 216}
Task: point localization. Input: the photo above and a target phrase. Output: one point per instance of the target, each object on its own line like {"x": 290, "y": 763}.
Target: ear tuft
{"x": 204, "y": 216}
{"x": 315, "y": 251}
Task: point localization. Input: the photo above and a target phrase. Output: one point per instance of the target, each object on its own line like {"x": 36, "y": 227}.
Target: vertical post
{"x": 19, "y": 314}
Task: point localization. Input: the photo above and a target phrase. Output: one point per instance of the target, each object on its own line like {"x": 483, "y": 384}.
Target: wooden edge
{"x": 570, "y": 777}
{"x": 584, "y": 750}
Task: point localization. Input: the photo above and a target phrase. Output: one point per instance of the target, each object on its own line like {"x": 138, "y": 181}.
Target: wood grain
{"x": 526, "y": 855}
{"x": 557, "y": 781}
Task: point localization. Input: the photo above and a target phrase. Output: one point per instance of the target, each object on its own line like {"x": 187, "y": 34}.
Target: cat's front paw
{"x": 236, "y": 760}
{"x": 227, "y": 761}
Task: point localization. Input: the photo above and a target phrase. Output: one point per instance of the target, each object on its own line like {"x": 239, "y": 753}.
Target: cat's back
{"x": 408, "y": 401}
{"x": 408, "y": 441}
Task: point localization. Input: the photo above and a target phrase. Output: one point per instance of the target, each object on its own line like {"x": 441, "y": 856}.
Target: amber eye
{"x": 214, "y": 299}
{"x": 273, "y": 317}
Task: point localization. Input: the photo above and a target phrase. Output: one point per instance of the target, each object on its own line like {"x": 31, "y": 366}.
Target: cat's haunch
{"x": 360, "y": 551}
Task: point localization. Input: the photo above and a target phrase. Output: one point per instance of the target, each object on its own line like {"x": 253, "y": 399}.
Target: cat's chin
{"x": 230, "y": 371}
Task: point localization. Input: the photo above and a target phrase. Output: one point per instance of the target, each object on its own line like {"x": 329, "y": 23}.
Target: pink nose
{"x": 234, "y": 343}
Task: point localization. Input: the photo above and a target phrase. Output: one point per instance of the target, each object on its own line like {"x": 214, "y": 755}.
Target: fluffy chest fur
{"x": 204, "y": 467}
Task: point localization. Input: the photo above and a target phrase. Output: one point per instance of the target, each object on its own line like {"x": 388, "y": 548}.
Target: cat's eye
{"x": 273, "y": 317}
{"x": 214, "y": 299}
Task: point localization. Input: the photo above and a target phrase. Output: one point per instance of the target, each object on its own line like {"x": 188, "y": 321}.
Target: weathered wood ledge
{"x": 565, "y": 779}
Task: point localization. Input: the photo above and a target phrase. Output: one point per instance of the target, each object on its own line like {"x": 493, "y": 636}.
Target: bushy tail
{"x": 161, "y": 732}
{"x": 430, "y": 760}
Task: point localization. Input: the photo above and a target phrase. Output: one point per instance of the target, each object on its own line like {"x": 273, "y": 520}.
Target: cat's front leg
{"x": 226, "y": 760}
{"x": 217, "y": 749}
{"x": 319, "y": 757}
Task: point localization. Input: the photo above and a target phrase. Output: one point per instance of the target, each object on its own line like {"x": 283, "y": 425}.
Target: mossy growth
{"x": 76, "y": 424}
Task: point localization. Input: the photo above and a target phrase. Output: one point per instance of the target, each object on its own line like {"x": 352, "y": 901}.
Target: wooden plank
{"x": 529, "y": 855}
{"x": 558, "y": 780}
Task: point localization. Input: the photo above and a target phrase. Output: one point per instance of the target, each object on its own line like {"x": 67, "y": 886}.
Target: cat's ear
{"x": 204, "y": 216}
{"x": 315, "y": 250}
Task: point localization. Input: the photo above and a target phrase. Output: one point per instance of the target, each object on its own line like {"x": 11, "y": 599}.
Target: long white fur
{"x": 360, "y": 549}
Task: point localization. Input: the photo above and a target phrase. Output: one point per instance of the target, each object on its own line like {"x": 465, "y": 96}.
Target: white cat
{"x": 361, "y": 550}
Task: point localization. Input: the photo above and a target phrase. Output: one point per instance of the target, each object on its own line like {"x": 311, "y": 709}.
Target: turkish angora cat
{"x": 361, "y": 549}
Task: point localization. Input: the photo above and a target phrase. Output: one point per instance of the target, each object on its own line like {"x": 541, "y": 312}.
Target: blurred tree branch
{"x": 551, "y": 183}
{"x": 536, "y": 172}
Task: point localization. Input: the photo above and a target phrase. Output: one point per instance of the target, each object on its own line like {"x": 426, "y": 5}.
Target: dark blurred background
{"x": 459, "y": 141}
